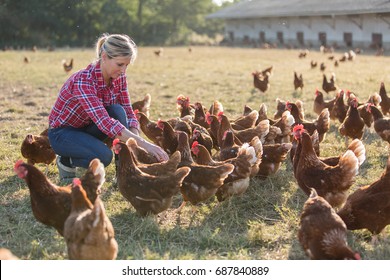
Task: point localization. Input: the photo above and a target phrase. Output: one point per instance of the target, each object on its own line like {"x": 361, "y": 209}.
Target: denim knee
{"x": 116, "y": 111}
{"x": 106, "y": 157}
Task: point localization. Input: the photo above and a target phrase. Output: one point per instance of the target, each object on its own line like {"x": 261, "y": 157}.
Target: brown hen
{"x": 330, "y": 182}
{"x": 322, "y": 233}
{"x": 203, "y": 181}
{"x": 369, "y": 206}
{"x": 88, "y": 232}
{"x": 37, "y": 149}
{"x": 149, "y": 194}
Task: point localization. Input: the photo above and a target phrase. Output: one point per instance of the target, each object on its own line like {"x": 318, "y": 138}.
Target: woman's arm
{"x": 155, "y": 150}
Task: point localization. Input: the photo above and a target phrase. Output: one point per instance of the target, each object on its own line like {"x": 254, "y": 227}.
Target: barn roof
{"x": 289, "y": 8}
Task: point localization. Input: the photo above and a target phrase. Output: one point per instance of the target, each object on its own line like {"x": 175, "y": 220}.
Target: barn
{"x": 308, "y": 23}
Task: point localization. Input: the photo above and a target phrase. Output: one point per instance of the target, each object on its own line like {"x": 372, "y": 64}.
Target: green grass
{"x": 261, "y": 224}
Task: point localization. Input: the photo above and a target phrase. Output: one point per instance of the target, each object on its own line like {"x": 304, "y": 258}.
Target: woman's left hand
{"x": 157, "y": 152}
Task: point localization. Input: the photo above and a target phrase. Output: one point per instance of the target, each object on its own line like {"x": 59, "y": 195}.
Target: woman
{"x": 94, "y": 104}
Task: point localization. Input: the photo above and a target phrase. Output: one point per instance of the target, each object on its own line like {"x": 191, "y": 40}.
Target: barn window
{"x": 262, "y": 36}
{"x": 376, "y": 40}
{"x": 348, "y": 39}
{"x": 246, "y": 40}
{"x": 231, "y": 36}
{"x": 322, "y": 38}
{"x": 300, "y": 38}
{"x": 279, "y": 35}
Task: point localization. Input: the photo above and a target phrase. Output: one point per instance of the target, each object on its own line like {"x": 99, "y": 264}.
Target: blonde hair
{"x": 116, "y": 45}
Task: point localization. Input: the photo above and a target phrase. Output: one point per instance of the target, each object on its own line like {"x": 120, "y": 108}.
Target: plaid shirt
{"x": 83, "y": 98}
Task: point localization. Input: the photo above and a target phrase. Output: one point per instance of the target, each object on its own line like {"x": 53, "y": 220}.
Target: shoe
{"x": 66, "y": 173}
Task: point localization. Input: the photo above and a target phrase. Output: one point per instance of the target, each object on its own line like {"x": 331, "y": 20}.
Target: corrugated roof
{"x": 288, "y": 8}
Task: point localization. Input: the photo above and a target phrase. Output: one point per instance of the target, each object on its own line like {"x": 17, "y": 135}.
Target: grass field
{"x": 261, "y": 224}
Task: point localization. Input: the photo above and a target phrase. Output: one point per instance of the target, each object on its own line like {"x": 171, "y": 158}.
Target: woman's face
{"x": 114, "y": 67}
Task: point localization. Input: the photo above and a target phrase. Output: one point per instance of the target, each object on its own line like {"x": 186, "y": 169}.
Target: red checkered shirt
{"x": 83, "y": 98}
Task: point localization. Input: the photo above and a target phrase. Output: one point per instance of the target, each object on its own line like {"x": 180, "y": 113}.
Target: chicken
{"x": 328, "y": 86}
{"x": 156, "y": 168}
{"x": 238, "y": 181}
{"x": 321, "y": 124}
{"x": 203, "y": 181}
{"x": 228, "y": 149}
{"x": 159, "y": 52}
{"x": 303, "y": 53}
{"x": 344, "y": 57}
{"x": 351, "y": 55}
{"x": 26, "y": 60}
{"x": 284, "y": 124}
{"x": 88, "y": 232}
{"x": 6, "y": 254}
{"x": 245, "y": 135}
{"x": 37, "y": 149}
{"x": 67, "y": 66}
{"x": 203, "y": 137}
{"x": 200, "y": 115}
{"x": 298, "y": 81}
{"x": 330, "y": 182}
{"x": 381, "y": 123}
{"x": 140, "y": 153}
{"x": 245, "y": 121}
{"x": 50, "y": 204}
{"x": 339, "y": 110}
{"x": 213, "y": 122}
{"x": 93, "y": 179}
{"x": 143, "y": 105}
{"x": 320, "y": 104}
{"x": 267, "y": 71}
{"x": 184, "y": 106}
{"x": 322, "y": 233}
{"x": 281, "y": 107}
{"x": 273, "y": 156}
{"x": 313, "y": 64}
{"x": 260, "y": 81}
{"x": 336, "y": 63}
{"x": 385, "y": 103}
{"x": 168, "y": 141}
{"x": 353, "y": 124}
{"x": 322, "y": 66}
{"x": 149, "y": 194}
{"x": 369, "y": 206}
{"x": 356, "y": 146}
{"x": 216, "y": 107}
{"x": 149, "y": 128}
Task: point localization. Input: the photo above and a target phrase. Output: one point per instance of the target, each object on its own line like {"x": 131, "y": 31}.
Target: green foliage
{"x": 78, "y": 23}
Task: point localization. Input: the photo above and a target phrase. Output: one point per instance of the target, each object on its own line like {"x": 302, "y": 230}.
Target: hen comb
{"x": 194, "y": 144}
{"x": 76, "y": 182}
{"x": 136, "y": 111}
{"x": 180, "y": 97}
{"x": 18, "y": 163}
{"x": 298, "y": 127}
{"x": 220, "y": 113}
{"x": 115, "y": 142}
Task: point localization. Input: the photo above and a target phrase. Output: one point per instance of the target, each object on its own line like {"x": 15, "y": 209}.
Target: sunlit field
{"x": 260, "y": 224}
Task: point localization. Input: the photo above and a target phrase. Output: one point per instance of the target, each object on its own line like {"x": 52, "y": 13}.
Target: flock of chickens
{"x": 213, "y": 155}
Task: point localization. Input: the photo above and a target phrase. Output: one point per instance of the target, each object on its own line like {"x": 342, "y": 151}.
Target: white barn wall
{"x": 311, "y": 26}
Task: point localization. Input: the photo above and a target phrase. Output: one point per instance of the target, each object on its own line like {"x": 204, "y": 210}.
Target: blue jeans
{"x": 81, "y": 145}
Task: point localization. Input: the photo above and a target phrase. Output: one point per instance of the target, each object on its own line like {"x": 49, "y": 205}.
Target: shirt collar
{"x": 99, "y": 75}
